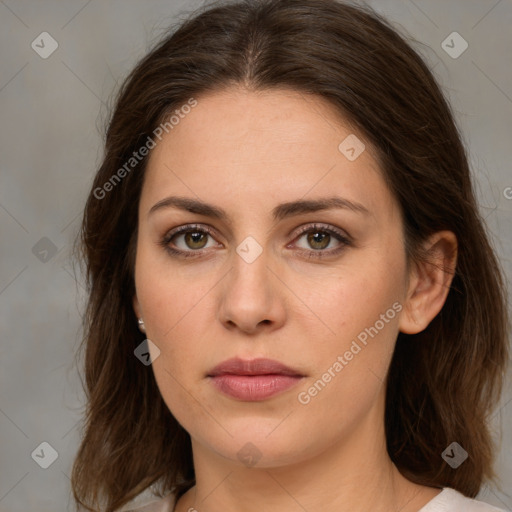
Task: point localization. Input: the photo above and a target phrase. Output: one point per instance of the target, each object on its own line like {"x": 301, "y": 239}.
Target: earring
{"x": 142, "y": 327}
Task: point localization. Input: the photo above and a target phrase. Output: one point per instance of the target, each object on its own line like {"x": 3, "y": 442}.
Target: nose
{"x": 251, "y": 298}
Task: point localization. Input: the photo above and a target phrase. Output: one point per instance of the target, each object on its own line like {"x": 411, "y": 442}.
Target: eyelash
{"x": 344, "y": 240}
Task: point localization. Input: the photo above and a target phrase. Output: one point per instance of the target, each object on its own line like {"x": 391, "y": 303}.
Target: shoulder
{"x": 450, "y": 500}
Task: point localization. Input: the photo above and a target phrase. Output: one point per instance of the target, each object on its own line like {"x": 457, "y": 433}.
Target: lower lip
{"x": 253, "y": 388}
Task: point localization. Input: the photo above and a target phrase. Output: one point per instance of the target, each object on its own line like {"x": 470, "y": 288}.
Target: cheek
{"x": 168, "y": 298}
{"x": 350, "y": 366}
{"x": 172, "y": 311}
{"x": 177, "y": 312}
{"x": 362, "y": 311}
{"x": 353, "y": 300}
{"x": 174, "y": 316}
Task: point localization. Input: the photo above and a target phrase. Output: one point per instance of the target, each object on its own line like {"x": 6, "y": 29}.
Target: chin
{"x": 253, "y": 446}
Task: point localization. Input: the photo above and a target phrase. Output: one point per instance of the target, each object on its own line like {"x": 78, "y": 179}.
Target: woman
{"x": 293, "y": 302}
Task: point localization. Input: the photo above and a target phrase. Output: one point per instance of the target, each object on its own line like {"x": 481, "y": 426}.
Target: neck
{"x": 355, "y": 474}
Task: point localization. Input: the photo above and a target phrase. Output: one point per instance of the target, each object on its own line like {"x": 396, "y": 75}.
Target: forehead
{"x": 236, "y": 120}
{"x": 264, "y": 146}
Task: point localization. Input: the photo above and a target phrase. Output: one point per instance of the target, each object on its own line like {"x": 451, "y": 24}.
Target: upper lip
{"x": 261, "y": 366}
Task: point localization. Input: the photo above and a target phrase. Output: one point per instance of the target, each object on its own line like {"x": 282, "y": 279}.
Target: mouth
{"x": 253, "y": 380}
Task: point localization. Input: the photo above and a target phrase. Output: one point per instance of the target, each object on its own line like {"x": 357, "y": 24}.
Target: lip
{"x": 260, "y": 366}
{"x": 253, "y": 380}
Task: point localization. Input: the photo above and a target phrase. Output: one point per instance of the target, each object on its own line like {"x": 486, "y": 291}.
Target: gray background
{"x": 52, "y": 111}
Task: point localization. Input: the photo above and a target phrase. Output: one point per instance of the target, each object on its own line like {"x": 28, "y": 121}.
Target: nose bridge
{"x": 250, "y": 275}
{"x": 250, "y": 296}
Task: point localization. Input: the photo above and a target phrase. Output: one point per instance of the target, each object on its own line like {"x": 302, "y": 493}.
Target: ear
{"x": 429, "y": 282}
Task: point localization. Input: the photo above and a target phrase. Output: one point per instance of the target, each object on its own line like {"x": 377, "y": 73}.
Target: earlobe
{"x": 430, "y": 282}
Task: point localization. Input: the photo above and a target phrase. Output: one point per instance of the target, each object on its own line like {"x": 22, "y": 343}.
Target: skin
{"x": 247, "y": 152}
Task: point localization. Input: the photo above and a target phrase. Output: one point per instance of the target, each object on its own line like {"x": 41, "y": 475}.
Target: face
{"x": 266, "y": 273}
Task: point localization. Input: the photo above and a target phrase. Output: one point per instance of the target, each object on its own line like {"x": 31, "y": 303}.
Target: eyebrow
{"x": 280, "y": 212}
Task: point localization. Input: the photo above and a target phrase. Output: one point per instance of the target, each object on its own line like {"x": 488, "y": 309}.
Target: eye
{"x": 319, "y": 238}
{"x": 189, "y": 240}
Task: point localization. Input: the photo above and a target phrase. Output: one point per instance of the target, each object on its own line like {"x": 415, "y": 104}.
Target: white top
{"x": 448, "y": 500}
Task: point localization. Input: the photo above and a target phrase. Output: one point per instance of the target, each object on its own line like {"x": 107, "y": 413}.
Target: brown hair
{"x": 443, "y": 382}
